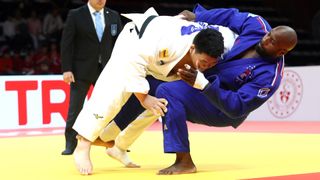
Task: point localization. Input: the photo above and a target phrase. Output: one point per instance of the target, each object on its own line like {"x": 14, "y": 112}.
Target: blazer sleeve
{"x": 67, "y": 42}
{"x": 119, "y": 22}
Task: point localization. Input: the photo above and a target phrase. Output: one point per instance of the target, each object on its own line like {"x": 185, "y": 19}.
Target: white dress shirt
{"x": 92, "y": 10}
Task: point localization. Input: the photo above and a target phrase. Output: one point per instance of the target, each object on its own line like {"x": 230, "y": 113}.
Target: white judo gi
{"x": 161, "y": 47}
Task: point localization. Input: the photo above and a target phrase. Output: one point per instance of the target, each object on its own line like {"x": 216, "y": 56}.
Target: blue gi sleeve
{"x": 237, "y": 104}
{"x": 241, "y": 23}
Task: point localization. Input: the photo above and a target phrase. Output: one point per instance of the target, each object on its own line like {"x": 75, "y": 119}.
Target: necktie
{"x": 98, "y": 21}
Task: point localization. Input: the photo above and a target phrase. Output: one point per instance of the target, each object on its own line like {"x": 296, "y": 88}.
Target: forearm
{"x": 234, "y": 104}
{"x": 155, "y": 105}
{"x": 141, "y": 97}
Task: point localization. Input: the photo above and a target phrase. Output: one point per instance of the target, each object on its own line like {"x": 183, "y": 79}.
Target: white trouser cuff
{"x": 110, "y": 132}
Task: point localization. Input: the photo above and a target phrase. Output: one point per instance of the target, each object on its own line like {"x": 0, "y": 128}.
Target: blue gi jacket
{"x": 239, "y": 86}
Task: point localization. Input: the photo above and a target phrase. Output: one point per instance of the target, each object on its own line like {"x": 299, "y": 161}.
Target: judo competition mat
{"x": 256, "y": 150}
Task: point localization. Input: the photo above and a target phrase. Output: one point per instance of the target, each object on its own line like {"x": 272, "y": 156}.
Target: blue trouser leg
{"x": 173, "y": 123}
{"x": 185, "y": 103}
{"x": 132, "y": 109}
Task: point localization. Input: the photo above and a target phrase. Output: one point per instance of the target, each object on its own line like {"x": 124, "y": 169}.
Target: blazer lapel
{"x": 107, "y": 23}
{"x": 89, "y": 20}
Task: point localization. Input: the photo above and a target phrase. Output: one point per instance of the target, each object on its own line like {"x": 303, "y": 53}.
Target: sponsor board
{"x": 28, "y": 102}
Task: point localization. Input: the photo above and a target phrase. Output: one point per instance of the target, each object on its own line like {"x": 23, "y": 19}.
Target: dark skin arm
{"x": 188, "y": 15}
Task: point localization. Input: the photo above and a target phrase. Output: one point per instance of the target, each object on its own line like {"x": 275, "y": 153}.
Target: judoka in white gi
{"x": 158, "y": 47}
{"x": 246, "y": 78}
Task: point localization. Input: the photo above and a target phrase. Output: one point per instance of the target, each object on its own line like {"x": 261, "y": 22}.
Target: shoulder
{"x": 270, "y": 73}
{"x": 78, "y": 10}
{"x": 261, "y": 23}
{"x": 111, "y": 11}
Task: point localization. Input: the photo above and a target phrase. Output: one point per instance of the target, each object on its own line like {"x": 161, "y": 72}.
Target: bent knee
{"x": 175, "y": 88}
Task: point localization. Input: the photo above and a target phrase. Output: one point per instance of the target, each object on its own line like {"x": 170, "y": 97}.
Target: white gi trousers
{"x": 111, "y": 89}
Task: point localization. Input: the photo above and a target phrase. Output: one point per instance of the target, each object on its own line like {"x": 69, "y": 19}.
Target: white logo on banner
{"x": 287, "y": 98}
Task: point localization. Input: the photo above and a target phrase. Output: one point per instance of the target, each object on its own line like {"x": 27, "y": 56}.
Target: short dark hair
{"x": 209, "y": 41}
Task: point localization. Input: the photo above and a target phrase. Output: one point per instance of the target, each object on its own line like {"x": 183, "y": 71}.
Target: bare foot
{"x": 99, "y": 142}
{"x": 121, "y": 156}
{"x": 132, "y": 165}
{"x": 81, "y": 156}
{"x": 178, "y": 168}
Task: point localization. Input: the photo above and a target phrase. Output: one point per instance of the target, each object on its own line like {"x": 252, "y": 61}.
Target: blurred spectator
{"x": 28, "y": 67}
{"x": 52, "y": 25}
{"x": 44, "y": 68}
{"x": 18, "y": 62}
{"x": 3, "y": 41}
{"x": 25, "y": 6}
{"x": 316, "y": 26}
{"x": 6, "y": 63}
{"x": 35, "y": 28}
{"x": 55, "y": 60}
{"x": 9, "y": 26}
{"x": 19, "y": 18}
{"x": 22, "y": 41}
{"x": 42, "y": 61}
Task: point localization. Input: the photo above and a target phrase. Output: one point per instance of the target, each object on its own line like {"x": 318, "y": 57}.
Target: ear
{"x": 282, "y": 52}
{"x": 192, "y": 48}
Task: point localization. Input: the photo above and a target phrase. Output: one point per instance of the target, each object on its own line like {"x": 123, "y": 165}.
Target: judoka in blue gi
{"x": 244, "y": 79}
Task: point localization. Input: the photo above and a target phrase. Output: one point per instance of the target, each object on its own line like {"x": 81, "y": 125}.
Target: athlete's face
{"x": 97, "y": 4}
{"x": 271, "y": 45}
{"x": 202, "y": 61}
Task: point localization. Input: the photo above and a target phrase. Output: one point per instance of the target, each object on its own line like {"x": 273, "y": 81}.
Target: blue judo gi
{"x": 237, "y": 86}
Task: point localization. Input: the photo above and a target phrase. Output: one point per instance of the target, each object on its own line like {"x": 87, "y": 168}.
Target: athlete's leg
{"x": 184, "y": 103}
{"x": 129, "y": 112}
{"x": 109, "y": 95}
{"x": 124, "y": 131}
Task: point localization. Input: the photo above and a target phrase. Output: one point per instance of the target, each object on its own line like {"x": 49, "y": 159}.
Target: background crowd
{"x": 30, "y": 30}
